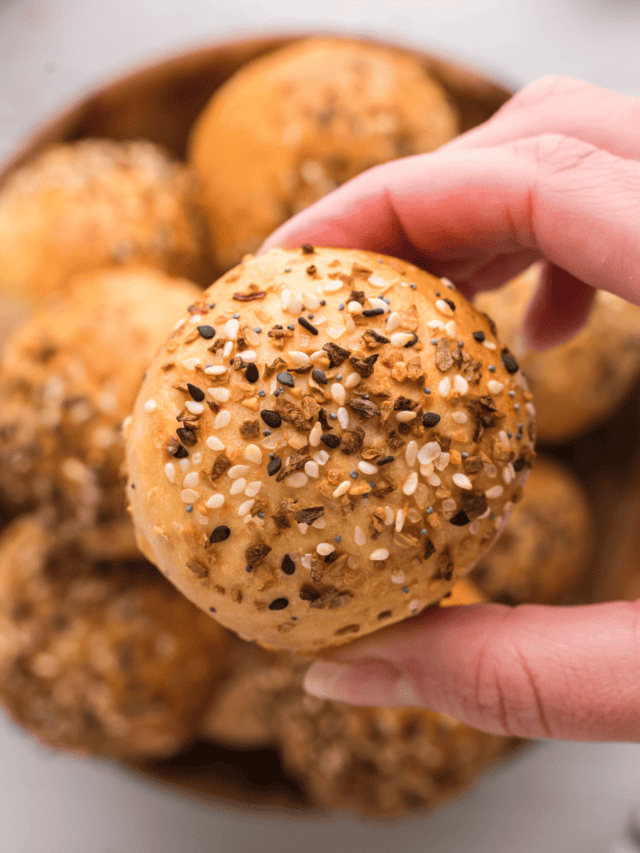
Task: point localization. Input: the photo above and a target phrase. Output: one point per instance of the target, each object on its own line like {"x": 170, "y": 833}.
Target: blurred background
{"x": 564, "y": 797}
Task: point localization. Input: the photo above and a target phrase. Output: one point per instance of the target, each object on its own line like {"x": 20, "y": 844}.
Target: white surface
{"x": 559, "y": 797}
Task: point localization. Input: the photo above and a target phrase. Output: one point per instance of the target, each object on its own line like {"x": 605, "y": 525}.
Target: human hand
{"x": 555, "y": 175}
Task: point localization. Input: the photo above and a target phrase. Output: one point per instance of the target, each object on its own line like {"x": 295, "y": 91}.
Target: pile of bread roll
{"x": 321, "y": 443}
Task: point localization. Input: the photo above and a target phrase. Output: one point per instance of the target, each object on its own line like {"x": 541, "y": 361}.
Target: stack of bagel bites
{"x": 206, "y": 486}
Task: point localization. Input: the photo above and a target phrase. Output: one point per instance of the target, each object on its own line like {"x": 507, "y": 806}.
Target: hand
{"x": 555, "y": 175}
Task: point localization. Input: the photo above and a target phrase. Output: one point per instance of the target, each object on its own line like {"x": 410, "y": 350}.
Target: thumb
{"x": 540, "y": 672}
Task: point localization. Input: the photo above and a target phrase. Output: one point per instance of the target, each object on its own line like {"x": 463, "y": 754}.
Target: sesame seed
{"x": 389, "y": 516}
{"x": 222, "y": 420}
{"x": 429, "y": 452}
{"x": 401, "y": 339}
{"x": 318, "y": 375}
{"x": 444, "y": 387}
{"x": 342, "y": 489}
{"x": 462, "y": 481}
{"x": 215, "y": 501}
{"x": 279, "y": 604}
{"x": 509, "y": 362}
{"x": 245, "y": 507}
{"x": 360, "y": 537}
{"x": 216, "y": 370}
{"x": 460, "y": 384}
{"x": 253, "y": 454}
{"x": 410, "y": 484}
{"x": 219, "y": 534}
{"x": 494, "y": 492}
{"x": 400, "y": 517}
{"x": 238, "y": 486}
{"x": 231, "y": 329}
{"x": 271, "y": 418}
{"x": 285, "y": 378}
{"x": 393, "y": 321}
{"x": 324, "y": 549}
{"x": 316, "y": 434}
{"x": 411, "y": 452}
{"x": 298, "y": 480}
{"x": 404, "y": 416}
{"x": 379, "y": 554}
{"x": 479, "y": 336}
{"x": 459, "y": 417}
{"x": 311, "y": 469}
{"x": 237, "y": 471}
{"x": 398, "y": 577}
{"x": 170, "y": 472}
{"x": 331, "y": 440}
{"x": 343, "y": 417}
{"x": 220, "y": 395}
{"x": 206, "y": 332}
{"x": 287, "y": 565}
{"x": 191, "y": 363}
{"x": 181, "y": 453}
{"x": 188, "y": 496}
{"x": 191, "y": 480}
{"x": 367, "y": 468}
{"x": 150, "y": 406}
{"x": 196, "y": 393}
{"x": 338, "y": 393}
{"x": 444, "y": 307}
{"x": 253, "y": 488}
{"x": 414, "y": 606}
{"x": 214, "y": 443}
{"x": 494, "y": 386}
{"x": 274, "y": 466}
{"x": 193, "y": 407}
{"x": 299, "y": 359}
{"x": 252, "y": 374}
{"x": 352, "y": 380}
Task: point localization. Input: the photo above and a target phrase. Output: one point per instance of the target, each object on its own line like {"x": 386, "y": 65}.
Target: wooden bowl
{"x": 160, "y": 102}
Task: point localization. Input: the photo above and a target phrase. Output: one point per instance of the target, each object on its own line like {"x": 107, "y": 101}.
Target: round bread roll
{"x": 326, "y": 447}
{"x": 544, "y": 548}
{"x": 68, "y": 378}
{"x": 81, "y": 206}
{"x": 294, "y": 124}
{"x": 577, "y": 385}
{"x": 106, "y": 659}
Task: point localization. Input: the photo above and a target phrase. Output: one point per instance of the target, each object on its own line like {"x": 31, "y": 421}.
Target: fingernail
{"x": 322, "y": 678}
{"x": 406, "y": 693}
{"x": 369, "y": 682}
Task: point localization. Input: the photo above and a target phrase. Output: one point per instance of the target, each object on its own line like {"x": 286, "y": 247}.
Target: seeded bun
{"x": 300, "y": 473}
{"x": 293, "y": 125}
{"x": 544, "y": 549}
{"x": 81, "y": 206}
{"x": 579, "y": 384}
{"x": 106, "y": 660}
{"x": 68, "y": 379}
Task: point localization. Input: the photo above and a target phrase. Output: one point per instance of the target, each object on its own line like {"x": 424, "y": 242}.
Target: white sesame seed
{"x": 294, "y": 304}
{"x": 297, "y": 481}
{"x": 434, "y": 480}
{"x": 460, "y": 384}
{"x": 342, "y": 489}
{"x": 459, "y": 417}
{"x": 321, "y": 457}
{"x": 360, "y": 537}
{"x": 194, "y": 408}
{"x": 253, "y": 488}
{"x": 350, "y": 323}
{"x": 530, "y": 409}
{"x": 227, "y": 349}
{"x": 414, "y": 605}
{"x": 311, "y": 302}
{"x": 150, "y": 406}
{"x": 444, "y": 307}
{"x": 400, "y": 516}
{"x": 490, "y": 470}
{"x": 393, "y": 321}
{"x": 494, "y": 492}
{"x": 497, "y": 522}
{"x": 506, "y": 475}
{"x": 411, "y": 453}
{"x": 489, "y": 345}
{"x": 435, "y": 324}
{"x": 428, "y": 452}
{"x": 188, "y": 496}
{"x": 444, "y": 387}
{"x": 462, "y": 481}
{"x": 216, "y": 370}
{"x": 311, "y": 469}
{"x": 222, "y": 420}
{"x": 332, "y": 286}
{"x": 379, "y": 554}
{"x": 447, "y": 283}
{"x": 231, "y": 329}
{"x": 319, "y": 524}
{"x": 343, "y": 417}
{"x": 354, "y": 307}
{"x": 238, "y": 486}
{"x": 318, "y": 355}
{"x": 450, "y": 328}
{"x": 284, "y": 296}
{"x": 248, "y": 355}
{"x": 377, "y": 281}
{"x": 190, "y": 363}
{"x": 196, "y": 318}
{"x": 336, "y": 332}
{"x": 184, "y": 464}
{"x": 494, "y": 386}
{"x": 324, "y": 549}
{"x": 302, "y": 527}
{"x": 442, "y": 461}
{"x": 214, "y": 443}
{"x": 405, "y": 417}
{"x": 306, "y": 561}
{"x": 220, "y": 395}
{"x": 251, "y": 337}
{"x": 376, "y": 304}
{"x": 367, "y": 468}
{"x": 410, "y": 484}
{"x": 245, "y": 507}
{"x": 253, "y": 453}
{"x": 215, "y": 501}
{"x": 400, "y": 339}
{"x": 352, "y": 380}
{"x": 170, "y": 472}
{"x": 338, "y": 393}
{"x": 398, "y": 577}
{"x": 315, "y": 434}
{"x": 389, "y": 516}
{"x": 237, "y": 471}
{"x": 191, "y": 480}
{"x": 298, "y": 358}
{"x": 504, "y": 438}
{"x": 474, "y": 527}
{"x": 196, "y": 458}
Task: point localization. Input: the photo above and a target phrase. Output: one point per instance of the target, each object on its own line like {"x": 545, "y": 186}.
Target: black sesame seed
{"x": 219, "y": 534}
{"x": 307, "y": 249}
{"x": 384, "y": 461}
{"x": 279, "y": 604}
{"x": 511, "y": 365}
{"x": 285, "y": 378}
{"x": 302, "y": 321}
{"x": 318, "y": 376}
{"x": 271, "y": 418}
{"x": 181, "y": 452}
{"x": 248, "y": 569}
{"x": 430, "y": 419}
{"x": 413, "y": 342}
{"x": 291, "y": 327}
{"x": 323, "y": 302}
{"x": 373, "y": 312}
{"x": 450, "y": 303}
{"x": 252, "y": 374}
{"x": 288, "y": 566}
{"x": 196, "y": 393}
{"x": 331, "y": 440}
{"x": 206, "y": 332}
{"x": 460, "y": 519}
{"x": 274, "y": 466}
{"x": 479, "y": 336}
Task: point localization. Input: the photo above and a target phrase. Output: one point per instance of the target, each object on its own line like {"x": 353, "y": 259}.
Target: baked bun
{"x": 309, "y": 476}
{"x": 545, "y": 547}
{"x": 68, "y": 379}
{"x": 579, "y": 384}
{"x": 88, "y": 204}
{"x": 294, "y": 124}
{"x": 105, "y": 659}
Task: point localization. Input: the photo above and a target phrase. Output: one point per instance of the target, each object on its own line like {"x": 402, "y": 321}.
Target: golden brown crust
{"x": 292, "y": 125}
{"x": 545, "y": 547}
{"x": 68, "y": 378}
{"x": 92, "y": 203}
{"x": 319, "y": 492}
{"x": 105, "y": 659}
{"x": 580, "y": 383}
